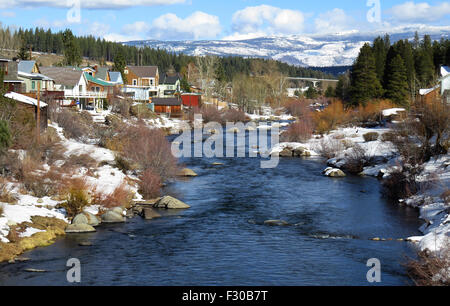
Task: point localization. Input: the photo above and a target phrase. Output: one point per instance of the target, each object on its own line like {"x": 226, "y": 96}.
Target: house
{"x": 191, "y": 99}
{"x": 31, "y": 105}
{"x": 166, "y": 105}
{"x": 169, "y": 85}
{"x": 142, "y": 81}
{"x": 10, "y": 77}
{"x": 29, "y": 72}
{"x": 78, "y": 87}
{"x": 441, "y": 90}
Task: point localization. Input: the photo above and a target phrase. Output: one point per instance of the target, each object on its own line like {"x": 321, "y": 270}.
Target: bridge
{"x": 315, "y": 81}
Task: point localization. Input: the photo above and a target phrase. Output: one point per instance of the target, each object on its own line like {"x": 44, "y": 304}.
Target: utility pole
{"x": 38, "y": 127}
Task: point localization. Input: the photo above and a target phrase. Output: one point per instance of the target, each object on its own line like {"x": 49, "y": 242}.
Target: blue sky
{"x": 226, "y": 19}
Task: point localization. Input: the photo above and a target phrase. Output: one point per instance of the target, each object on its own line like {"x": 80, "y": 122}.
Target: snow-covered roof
{"x": 445, "y": 70}
{"x": 392, "y": 111}
{"x": 26, "y": 66}
{"x": 426, "y": 91}
{"x": 24, "y": 99}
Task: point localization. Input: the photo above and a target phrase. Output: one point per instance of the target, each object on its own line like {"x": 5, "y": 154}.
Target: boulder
{"x": 169, "y": 202}
{"x": 233, "y": 130}
{"x": 93, "y": 220}
{"x": 276, "y": 223}
{"x": 112, "y": 217}
{"x": 333, "y": 172}
{"x": 118, "y": 210}
{"x": 186, "y": 172}
{"x": 287, "y": 152}
{"x": 79, "y": 228}
{"x": 150, "y": 213}
{"x": 80, "y": 219}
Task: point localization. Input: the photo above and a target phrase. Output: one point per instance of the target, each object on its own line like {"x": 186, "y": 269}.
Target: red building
{"x": 191, "y": 99}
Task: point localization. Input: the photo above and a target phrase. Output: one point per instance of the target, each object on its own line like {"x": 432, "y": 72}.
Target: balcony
{"x": 69, "y": 93}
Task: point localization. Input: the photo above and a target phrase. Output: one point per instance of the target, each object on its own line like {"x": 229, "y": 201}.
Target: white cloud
{"x": 88, "y": 4}
{"x": 137, "y": 27}
{"x": 421, "y": 12}
{"x": 332, "y": 21}
{"x": 199, "y": 25}
{"x": 8, "y": 14}
{"x": 268, "y": 19}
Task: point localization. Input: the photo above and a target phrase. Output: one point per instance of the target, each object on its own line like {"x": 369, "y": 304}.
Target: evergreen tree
{"x": 72, "y": 54}
{"x": 5, "y": 136}
{"x": 330, "y": 92}
{"x": 342, "y": 87}
{"x": 120, "y": 64}
{"x": 380, "y": 53}
{"x": 396, "y": 82}
{"x": 364, "y": 82}
{"x": 24, "y": 53}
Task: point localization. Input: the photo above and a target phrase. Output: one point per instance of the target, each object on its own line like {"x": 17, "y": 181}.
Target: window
{"x": 125, "y": 71}
{"x": 134, "y": 82}
{"x": 33, "y": 85}
{"x": 151, "y": 82}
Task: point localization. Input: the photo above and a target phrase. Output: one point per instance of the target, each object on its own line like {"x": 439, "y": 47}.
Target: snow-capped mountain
{"x": 338, "y": 49}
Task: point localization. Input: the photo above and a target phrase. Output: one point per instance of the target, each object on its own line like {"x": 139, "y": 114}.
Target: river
{"x": 222, "y": 239}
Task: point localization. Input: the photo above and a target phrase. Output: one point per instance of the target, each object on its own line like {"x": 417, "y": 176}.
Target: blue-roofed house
{"x": 116, "y": 77}
{"x": 28, "y": 71}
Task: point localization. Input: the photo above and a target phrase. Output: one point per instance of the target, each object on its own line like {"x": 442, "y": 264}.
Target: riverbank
{"x": 345, "y": 146}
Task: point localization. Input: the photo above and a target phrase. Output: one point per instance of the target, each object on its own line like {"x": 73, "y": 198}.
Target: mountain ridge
{"x": 314, "y": 50}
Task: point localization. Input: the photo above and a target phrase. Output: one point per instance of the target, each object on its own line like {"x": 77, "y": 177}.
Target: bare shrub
{"x": 356, "y": 159}
{"x": 77, "y": 197}
{"x": 73, "y": 124}
{"x": 209, "y": 113}
{"x": 446, "y": 196}
{"x": 13, "y": 235}
{"x": 141, "y": 111}
{"x": 388, "y": 136}
{"x": 234, "y": 115}
{"x": 400, "y": 185}
{"x": 297, "y": 108}
{"x": 150, "y": 184}
{"x": 329, "y": 148}
{"x": 120, "y": 197}
{"x": 299, "y": 131}
{"x": 371, "y": 111}
{"x": 372, "y": 136}
{"x": 331, "y": 117}
{"x": 150, "y": 149}
{"x": 5, "y": 195}
{"x": 431, "y": 269}
{"x": 23, "y": 129}
{"x": 82, "y": 160}
{"x": 2, "y": 210}
{"x": 121, "y": 106}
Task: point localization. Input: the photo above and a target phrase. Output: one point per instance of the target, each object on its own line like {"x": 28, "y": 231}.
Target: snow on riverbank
{"x": 436, "y": 174}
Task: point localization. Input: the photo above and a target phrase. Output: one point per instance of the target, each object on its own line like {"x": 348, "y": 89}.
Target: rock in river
{"x": 186, "y": 172}
{"x": 333, "y": 172}
{"x": 86, "y": 218}
{"x": 150, "y": 213}
{"x": 112, "y": 217}
{"x": 276, "y": 223}
{"x": 169, "y": 202}
{"x": 79, "y": 228}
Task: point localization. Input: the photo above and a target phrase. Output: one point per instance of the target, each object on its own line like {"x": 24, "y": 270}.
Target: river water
{"x": 222, "y": 239}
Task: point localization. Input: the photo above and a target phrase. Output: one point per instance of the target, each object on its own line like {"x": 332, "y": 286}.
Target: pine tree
{"x": 72, "y": 54}
{"x": 119, "y": 65}
{"x": 396, "y": 81}
{"x": 380, "y": 53}
{"x": 364, "y": 82}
